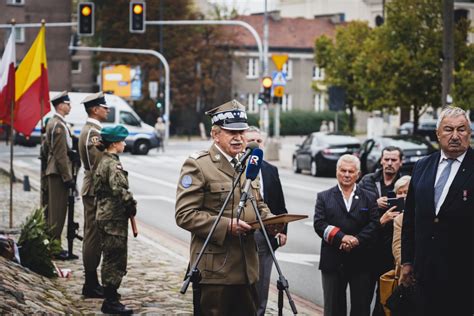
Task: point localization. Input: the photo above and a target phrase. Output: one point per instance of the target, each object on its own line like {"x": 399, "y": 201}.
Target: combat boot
{"x": 91, "y": 287}
{"x": 111, "y": 304}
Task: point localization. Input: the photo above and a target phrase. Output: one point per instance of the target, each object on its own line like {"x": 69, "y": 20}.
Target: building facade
{"x": 57, "y": 39}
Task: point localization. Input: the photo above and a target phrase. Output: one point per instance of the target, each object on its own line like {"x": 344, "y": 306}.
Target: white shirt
{"x": 454, "y": 170}
{"x": 348, "y": 202}
{"x": 229, "y": 158}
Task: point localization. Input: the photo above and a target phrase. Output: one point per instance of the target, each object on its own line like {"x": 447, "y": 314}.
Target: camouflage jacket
{"x": 111, "y": 189}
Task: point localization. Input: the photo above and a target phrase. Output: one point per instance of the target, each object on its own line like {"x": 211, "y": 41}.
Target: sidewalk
{"x": 156, "y": 267}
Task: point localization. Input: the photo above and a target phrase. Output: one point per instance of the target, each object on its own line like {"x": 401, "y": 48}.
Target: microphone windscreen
{"x": 252, "y": 145}
{"x": 254, "y": 164}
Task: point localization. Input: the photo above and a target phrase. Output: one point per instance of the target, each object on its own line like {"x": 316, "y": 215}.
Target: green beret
{"x": 113, "y": 134}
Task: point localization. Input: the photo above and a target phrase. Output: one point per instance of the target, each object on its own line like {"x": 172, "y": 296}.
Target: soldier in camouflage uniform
{"x": 115, "y": 205}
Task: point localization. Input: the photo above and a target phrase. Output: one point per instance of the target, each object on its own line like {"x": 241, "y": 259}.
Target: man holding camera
{"x": 381, "y": 183}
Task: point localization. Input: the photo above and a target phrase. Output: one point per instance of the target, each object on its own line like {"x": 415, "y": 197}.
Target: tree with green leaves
{"x": 199, "y": 65}
{"x": 338, "y": 59}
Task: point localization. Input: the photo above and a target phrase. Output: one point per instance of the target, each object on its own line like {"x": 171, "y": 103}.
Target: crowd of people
{"x": 420, "y": 226}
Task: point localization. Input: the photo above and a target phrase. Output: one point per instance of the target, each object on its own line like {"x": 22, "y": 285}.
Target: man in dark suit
{"x": 437, "y": 240}
{"x": 346, "y": 219}
{"x": 273, "y": 197}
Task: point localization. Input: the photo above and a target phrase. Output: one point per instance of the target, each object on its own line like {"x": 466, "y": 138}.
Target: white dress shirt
{"x": 454, "y": 170}
{"x": 348, "y": 202}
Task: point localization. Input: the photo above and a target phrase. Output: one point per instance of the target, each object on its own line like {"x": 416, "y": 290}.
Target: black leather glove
{"x": 70, "y": 184}
{"x": 132, "y": 209}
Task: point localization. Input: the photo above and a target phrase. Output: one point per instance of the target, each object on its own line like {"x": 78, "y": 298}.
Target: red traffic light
{"x": 267, "y": 82}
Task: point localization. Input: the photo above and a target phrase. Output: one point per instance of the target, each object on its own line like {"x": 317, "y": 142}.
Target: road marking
{"x": 155, "y": 197}
{"x": 298, "y": 258}
{"x": 309, "y": 223}
{"x": 154, "y": 180}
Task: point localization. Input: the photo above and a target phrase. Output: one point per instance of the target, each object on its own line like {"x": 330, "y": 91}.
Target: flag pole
{"x": 12, "y": 114}
{"x": 43, "y": 22}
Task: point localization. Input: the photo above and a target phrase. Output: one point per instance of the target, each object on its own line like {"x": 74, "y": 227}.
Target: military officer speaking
{"x": 97, "y": 111}
{"x": 229, "y": 267}
{"x": 59, "y": 167}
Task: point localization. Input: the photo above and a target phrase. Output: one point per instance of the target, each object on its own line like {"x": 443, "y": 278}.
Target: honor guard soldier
{"x": 229, "y": 267}
{"x": 115, "y": 205}
{"x": 97, "y": 111}
{"x": 59, "y": 166}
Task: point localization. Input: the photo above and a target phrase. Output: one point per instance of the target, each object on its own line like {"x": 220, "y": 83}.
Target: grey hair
{"x": 452, "y": 111}
{"x": 349, "y": 158}
{"x": 253, "y": 128}
{"x": 403, "y": 181}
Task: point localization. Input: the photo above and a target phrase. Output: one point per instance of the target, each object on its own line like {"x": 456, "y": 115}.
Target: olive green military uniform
{"x": 206, "y": 179}
{"x": 113, "y": 200}
{"x": 58, "y": 171}
{"x": 90, "y": 157}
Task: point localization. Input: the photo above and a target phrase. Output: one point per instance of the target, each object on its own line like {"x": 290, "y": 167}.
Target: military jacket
{"x": 205, "y": 181}
{"x": 90, "y": 155}
{"x": 59, "y": 143}
{"x": 111, "y": 189}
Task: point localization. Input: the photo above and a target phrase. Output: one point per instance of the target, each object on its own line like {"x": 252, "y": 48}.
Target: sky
{"x": 246, "y": 6}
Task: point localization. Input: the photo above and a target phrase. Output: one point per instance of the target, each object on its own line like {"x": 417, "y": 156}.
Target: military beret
{"x": 96, "y": 99}
{"x": 113, "y": 134}
{"x": 230, "y": 115}
{"x": 62, "y": 97}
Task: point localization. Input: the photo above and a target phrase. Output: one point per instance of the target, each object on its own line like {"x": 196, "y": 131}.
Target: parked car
{"x": 426, "y": 129}
{"x": 320, "y": 151}
{"x": 414, "y": 148}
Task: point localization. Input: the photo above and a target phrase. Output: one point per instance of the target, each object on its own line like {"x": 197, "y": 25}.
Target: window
{"x": 286, "y": 103}
{"x": 19, "y": 35}
{"x": 252, "y": 68}
{"x": 76, "y": 66}
{"x": 16, "y": 2}
{"x": 111, "y": 115}
{"x": 288, "y": 69}
{"x": 128, "y": 119}
{"x": 252, "y": 102}
{"x": 318, "y": 73}
{"x": 319, "y": 102}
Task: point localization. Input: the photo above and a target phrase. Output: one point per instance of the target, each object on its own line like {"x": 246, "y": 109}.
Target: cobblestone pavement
{"x": 151, "y": 286}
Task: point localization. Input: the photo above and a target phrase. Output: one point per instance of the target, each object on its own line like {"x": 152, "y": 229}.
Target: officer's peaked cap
{"x": 230, "y": 116}
{"x": 113, "y": 134}
{"x": 62, "y": 97}
{"x": 96, "y": 99}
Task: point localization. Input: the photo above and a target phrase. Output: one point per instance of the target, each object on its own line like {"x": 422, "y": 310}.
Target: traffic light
{"x": 267, "y": 89}
{"x": 85, "y": 13}
{"x": 137, "y": 17}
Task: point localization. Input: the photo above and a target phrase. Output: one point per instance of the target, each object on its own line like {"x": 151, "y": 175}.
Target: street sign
{"x": 153, "y": 89}
{"x": 279, "y": 79}
{"x": 278, "y": 91}
{"x": 279, "y": 61}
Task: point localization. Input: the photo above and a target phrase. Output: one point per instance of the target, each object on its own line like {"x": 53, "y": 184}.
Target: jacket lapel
{"x": 465, "y": 170}
{"x": 221, "y": 161}
{"x": 355, "y": 200}
{"x": 338, "y": 197}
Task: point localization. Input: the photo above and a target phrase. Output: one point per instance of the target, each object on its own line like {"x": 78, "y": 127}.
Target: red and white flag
{"x": 7, "y": 80}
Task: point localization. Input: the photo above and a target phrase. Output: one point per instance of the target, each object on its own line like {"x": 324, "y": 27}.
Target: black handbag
{"x": 402, "y": 301}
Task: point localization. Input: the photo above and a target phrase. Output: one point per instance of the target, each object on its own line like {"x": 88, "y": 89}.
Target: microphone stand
{"x": 193, "y": 274}
{"x": 282, "y": 282}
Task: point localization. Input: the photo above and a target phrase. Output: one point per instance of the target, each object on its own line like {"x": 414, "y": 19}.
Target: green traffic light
{"x": 259, "y": 101}
{"x": 158, "y": 105}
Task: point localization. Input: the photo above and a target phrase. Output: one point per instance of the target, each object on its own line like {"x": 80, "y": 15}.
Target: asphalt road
{"x": 153, "y": 180}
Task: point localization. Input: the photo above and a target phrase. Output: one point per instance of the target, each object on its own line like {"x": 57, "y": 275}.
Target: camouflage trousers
{"x": 113, "y": 235}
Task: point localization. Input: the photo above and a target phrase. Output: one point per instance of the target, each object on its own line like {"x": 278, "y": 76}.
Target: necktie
{"x": 233, "y": 162}
{"x": 443, "y": 178}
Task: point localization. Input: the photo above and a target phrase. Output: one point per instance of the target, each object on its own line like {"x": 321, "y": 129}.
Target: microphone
{"x": 253, "y": 168}
{"x": 248, "y": 150}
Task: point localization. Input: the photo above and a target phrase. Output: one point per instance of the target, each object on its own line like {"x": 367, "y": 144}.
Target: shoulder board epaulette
{"x": 199, "y": 154}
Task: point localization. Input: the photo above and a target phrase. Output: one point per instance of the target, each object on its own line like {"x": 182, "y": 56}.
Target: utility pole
{"x": 448, "y": 51}
{"x": 265, "y": 108}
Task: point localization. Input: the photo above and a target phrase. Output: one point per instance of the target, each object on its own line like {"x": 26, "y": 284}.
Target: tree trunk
{"x": 351, "y": 118}
{"x": 416, "y": 118}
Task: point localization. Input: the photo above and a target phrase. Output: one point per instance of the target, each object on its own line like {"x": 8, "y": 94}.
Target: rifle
{"x": 72, "y": 226}
{"x": 134, "y": 226}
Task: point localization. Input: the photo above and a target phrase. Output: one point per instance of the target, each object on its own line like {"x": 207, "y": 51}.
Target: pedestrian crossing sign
{"x": 279, "y": 79}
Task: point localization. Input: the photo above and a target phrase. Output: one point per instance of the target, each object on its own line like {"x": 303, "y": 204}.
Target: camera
{"x": 399, "y": 202}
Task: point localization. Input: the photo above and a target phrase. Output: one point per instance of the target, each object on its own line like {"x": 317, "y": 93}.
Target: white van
{"x": 141, "y": 136}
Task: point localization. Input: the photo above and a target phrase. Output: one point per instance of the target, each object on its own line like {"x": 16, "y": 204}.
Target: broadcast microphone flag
{"x": 253, "y": 168}
{"x": 248, "y": 151}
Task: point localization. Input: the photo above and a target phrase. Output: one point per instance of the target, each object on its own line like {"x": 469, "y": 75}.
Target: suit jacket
{"x": 90, "y": 155}
{"x": 441, "y": 246}
{"x": 59, "y": 142}
{"x": 361, "y": 221}
{"x": 273, "y": 194}
{"x": 205, "y": 181}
